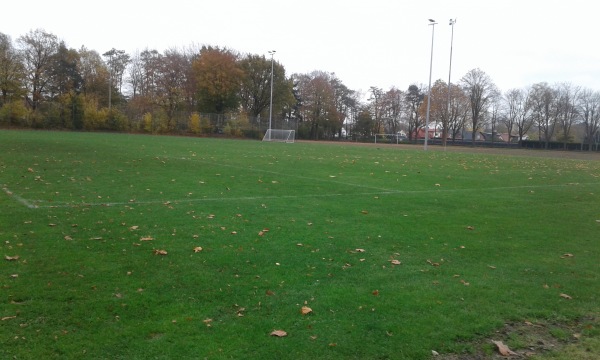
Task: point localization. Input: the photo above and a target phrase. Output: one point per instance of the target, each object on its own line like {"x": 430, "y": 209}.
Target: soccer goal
{"x": 287, "y": 136}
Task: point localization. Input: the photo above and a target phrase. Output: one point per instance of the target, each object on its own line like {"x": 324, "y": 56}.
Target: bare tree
{"x": 589, "y": 110}
{"x": 393, "y": 100}
{"x": 37, "y": 48}
{"x": 458, "y": 111}
{"x": 567, "y": 109}
{"x": 544, "y": 107}
{"x": 517, "y": 114}
{"x": 480, "y": 89}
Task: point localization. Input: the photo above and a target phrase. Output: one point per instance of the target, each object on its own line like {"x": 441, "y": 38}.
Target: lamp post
{"x": 432, "y": 23}
{"x": 452, "y": 22}
{"x": 271, "y": 52}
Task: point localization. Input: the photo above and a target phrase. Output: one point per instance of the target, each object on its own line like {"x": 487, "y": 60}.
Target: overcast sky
{"x": 366, "y": 43}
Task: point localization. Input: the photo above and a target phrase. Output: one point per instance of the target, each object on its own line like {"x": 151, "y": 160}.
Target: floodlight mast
{"x": 433, "y": 24}
{"x": 445, "y": 132}
{"x": 271, "y": 52}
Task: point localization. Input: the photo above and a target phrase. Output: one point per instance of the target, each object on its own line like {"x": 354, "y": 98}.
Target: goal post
{"x": 280, "y": 135}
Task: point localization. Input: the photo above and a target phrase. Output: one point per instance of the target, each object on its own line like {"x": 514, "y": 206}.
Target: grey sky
{"x": 381, "y": 43}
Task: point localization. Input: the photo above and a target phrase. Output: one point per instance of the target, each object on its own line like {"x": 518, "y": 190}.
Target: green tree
{"x": 414, "y": 101}
{"x": 365, "y": 124}
{"x": 12, "y": 72}
{"x": 255, "y": 90}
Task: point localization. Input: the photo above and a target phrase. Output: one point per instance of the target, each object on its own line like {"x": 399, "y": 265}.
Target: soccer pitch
{"x": 131, "y": 246}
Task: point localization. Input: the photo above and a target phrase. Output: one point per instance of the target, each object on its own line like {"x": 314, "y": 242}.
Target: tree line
{"x": 212, "y": 89}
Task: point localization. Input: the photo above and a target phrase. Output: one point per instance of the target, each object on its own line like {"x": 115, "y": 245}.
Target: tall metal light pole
{"x": 433, "y": 24}
{"x": 445, "y": 132}
{"x": 271, "y": 52}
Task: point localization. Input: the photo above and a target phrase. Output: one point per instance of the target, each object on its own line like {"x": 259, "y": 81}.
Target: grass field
{"x": 137, "y": 247}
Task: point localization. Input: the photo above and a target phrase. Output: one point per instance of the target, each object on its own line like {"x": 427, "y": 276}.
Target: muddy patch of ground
{"x": 536, "y": 340}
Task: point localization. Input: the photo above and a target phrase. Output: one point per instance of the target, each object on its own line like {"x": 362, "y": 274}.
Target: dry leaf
{"x": 11, "y": 258}
{"x": 8, "y": 318}
{"x": 68, "y": 238}
{"x": 376, "y": 292}
{"x": 360, "y": 250}
{"x": 135, "y": 227}
{"x": 470, "y": 228}
{"x": 565, "y": 296}
{"x": 146, "y": 238}
{"x": 364, "y": 212}
{"x": 160, "y": 252}
{"x": 278, "y": 333}
{"x": 305, "y": 310}
{"x": 433, "y": 263}
{"x": 197, "y": 249}
{"x": 270, "y": 293}
{"x": 566, "y": 256}
{"x": 503, "y": 349}
{"x": 395, "y": 262}
{"x": 434, "y": 353}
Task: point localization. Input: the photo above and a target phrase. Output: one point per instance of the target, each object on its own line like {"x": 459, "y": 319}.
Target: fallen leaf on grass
{"x": 8, "y": 318}
{"x": 305, "y": 310}
{"x": 146, "y": 238}
{"x": 364, "y": 212}
{"x": 395, "y": 262}
{"x": 567, "y": 255}
{"x": 470, "y": 228}
{"x": 503, "y": 349}
{"x": 11, "y": 258}
{"x": 278, "y": 333}
{"x": 360, "y": 250}
{"x": 376, "y": 292}
{"x": 433, "y": 263}
{"x": 135, "y": 227}
{"x": 565, "y": 296}
{"x": 197, "y": 249}
{"x": 160, "y": 252}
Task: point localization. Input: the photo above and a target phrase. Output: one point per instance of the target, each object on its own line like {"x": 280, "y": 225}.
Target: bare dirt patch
{"x": 528, "y": 340}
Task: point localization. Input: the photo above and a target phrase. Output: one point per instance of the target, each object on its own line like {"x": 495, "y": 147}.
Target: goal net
{"x": 389, "y": 138}
{"x": 287, "y": 136}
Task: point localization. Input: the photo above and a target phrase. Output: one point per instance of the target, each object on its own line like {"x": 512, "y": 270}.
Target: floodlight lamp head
{"x": 431, "y": 20}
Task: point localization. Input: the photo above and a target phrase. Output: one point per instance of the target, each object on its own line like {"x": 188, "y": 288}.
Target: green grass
{"x": 75, "y": 207}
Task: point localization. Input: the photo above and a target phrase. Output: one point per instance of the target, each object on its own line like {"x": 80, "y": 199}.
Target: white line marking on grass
{"x": 328, "y": 180}
{"x": 18, "y": 198}
{"x": 305, "y": 196}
